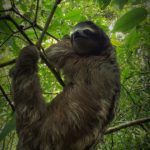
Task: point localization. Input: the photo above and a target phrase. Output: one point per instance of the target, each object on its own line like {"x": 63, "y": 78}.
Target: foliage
{"x": 128, "y": 25}
{"x": 130, "y": 20}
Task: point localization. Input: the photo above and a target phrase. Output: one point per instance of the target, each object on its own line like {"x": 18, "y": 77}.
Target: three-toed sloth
{"x": 77, "y": 117}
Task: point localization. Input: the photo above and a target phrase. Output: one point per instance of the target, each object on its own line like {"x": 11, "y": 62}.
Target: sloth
{"x": 78, "y": 116}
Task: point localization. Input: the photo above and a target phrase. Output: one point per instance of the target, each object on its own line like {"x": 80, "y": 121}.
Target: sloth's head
{"x": 88, "y": 39}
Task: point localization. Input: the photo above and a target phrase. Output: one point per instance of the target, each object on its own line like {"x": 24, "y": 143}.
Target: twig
{"x": 33, "y": 23}
{"x": 40, "y": 39}
{"x": 5, "y": 10}
{"x": 40, "y": 42}
{"x": 15, "y": 10}
{"x": 35, "y": 33}
{"x": 12, "y": 3}
{"x": 127, "y": 124}
{"x": 11, "y": 36}
{"x": 7, "y": 17}
{"x": 6, "y": 40}
{"x": 36, "y": 12}
{"x": 128, "y": 93}
{"x": 41, "y": 29}
{"x": 26, "y": 28}
{"x": 47, "y": 23}
{"x": 56, "y": 74}
{"x": 6, "y": 98}
{"x": 7, "y": 63}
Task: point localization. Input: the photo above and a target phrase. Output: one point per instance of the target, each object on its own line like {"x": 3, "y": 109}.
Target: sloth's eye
{"x": 87, "y": 31}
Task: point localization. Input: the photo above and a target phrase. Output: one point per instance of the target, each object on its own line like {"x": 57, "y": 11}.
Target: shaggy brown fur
{"x": 77, "y": 117}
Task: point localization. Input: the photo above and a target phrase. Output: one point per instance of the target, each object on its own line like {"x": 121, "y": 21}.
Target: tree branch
{"x": 127, "y": 124}
{"x": 7, "y": 17}
{"x": 40, "y": 39}
{"x": 32, "y": 23}
{"x": 5, "y": 10}
{"x": 41, "y": 29}
{"x": 47, "y": 23}
{"x": 56, "y": 74}
{"x": 7, "y": 63}
{"x": 36, "y": 11}
{"x": 7, "y": 99}
{"x": 6, "y": 40}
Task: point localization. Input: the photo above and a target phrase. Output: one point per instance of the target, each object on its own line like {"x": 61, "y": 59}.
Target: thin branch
{"x": 13, "y": 34}
{"x": 127, "y": 124}
{"x": 15, "y": 10}
{"x": 21, "y": 31}
{"x": 12, "y": 3}
{"x": 7, "y": 17}
{"x": 33, "y": 23}
{"x": 6, "y": 40}
{"x": 7, "y": 63}
{"x": 35, "y": 33}
{"x": 6, "y": 98}
{"x": 47, "y": 23}
{"x": 36, "y": 12}
{"x": 56, "y": 74}
{"x": 26, "y": 28}
{"x": 128, "y": 93}
{"x": 41, "y": 29}
{"x": 5, "y": 10}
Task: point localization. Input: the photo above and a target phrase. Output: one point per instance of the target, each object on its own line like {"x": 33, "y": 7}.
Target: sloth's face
{"x": 87, "y": 39}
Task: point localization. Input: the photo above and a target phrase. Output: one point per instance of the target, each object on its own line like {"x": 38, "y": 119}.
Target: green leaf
{"x": 103, "y": 3}
{"x": 10, "y": 125}
{"x": 130, "y": 20}
{"x": 119, "y": 3}
{"x": 132, "y": 39}
{"x": 73, "y": 15}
